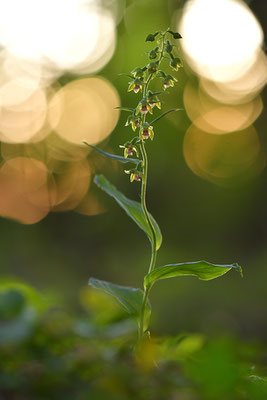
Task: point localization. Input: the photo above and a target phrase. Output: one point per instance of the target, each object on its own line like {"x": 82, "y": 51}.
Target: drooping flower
{"x": 153, "y": 100}
{"x": 138, "y": 72}
{"x": 134, "y": 175}
{"x": 129, "y": 149}
{"x": 144, "y": 107}
{"x": 134, "y": 121}
{"x": 176, "y": 63}
{"x": 169, "y": 81}
{"x": 152, "y": 67}
{"x": 136, "y": 85}
{"x": 147, "y": 131}
{"x": 153, "y": 53}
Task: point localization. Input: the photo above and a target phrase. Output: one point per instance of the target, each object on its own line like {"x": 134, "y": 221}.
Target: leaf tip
{"x": 239, "y": 269}
{"x": 91, "y": 282}
{"x": 96, "y": 181}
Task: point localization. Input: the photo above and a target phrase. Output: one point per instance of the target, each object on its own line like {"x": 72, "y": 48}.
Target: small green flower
{"x": 153, "y": 100}
{"x": 153, "y": 53}
{"x": 152, "y": 67}
{"x": 169, "y": 81}
{"x": 134, "y": 121}
{"x": 129, "y": 149}
{"x": 134, "y": 175}
{"x": 144, "y": 107}
{"x": 161, "y": 74}
{"x": 176, "y": 63}
{"x": 136, "y": 85}
{"x": 138, "y": 72}
{"x": 147, "y": 131}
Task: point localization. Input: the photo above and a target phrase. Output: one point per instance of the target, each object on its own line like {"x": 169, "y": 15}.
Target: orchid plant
{"x": 136, "y": 301}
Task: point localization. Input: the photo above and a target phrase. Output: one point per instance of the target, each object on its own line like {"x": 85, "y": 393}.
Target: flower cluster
{"x": 141, "y": 77}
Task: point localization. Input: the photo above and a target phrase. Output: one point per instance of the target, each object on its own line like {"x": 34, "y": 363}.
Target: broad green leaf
{"x": 113, "y": 156}
{"x": 129, "y": 298}
{"x": 131, "y": 207}
{"x": 201, "y": 269}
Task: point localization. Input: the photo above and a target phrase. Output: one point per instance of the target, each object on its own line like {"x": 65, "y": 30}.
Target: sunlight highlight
{"x": 24, "y": 195}
{"x": 83, "y": 110}
{"x": 221, "y": 38}
{"x": 217, "y": 118}
{"x": 57, "y": 34}
{"x": 224, "y": 159}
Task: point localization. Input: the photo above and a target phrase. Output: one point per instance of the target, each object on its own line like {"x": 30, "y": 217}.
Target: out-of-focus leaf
{"x": 113, "y": 156}
{"x": 129, "y": 298}
{"x": 202, "y": 269}
{"x": 32, "y": 297}
{"x": 19, "y": 328}
{"x": 180, "y": 347}
{"x": 131, "y": 207}
{"x": 11, "y": 303}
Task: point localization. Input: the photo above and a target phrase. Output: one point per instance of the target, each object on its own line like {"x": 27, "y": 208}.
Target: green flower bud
{"x": 175, "y": 35}
{"x": 138, "y": 72}
{"x": 161, "y": 74}
{"x": 153, "y": 53}
{"x": 168, "y": 47}
{"x": 175, "y": 63}
{"x": 150, "y": 38}
{"x": 152, "y": 67}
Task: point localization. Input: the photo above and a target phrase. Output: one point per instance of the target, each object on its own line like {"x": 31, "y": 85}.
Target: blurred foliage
{"x": 48, "y": 353}
{"x": 198, "y": 219}
{"x": 83, "y": 347}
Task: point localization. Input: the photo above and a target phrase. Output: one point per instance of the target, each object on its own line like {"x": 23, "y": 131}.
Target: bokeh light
{"x": 68, "y": 188}
{"x": 217, "y": 118}
{"x": 45, "y": 170}
{"x": 20, "y": 122}
{"x": 221, "y": 38}
{"x": 224, "y": 159}
{"x": 58, "y": 35}
{"x": 83, "y": 110}
{"x": 23, "y": 187}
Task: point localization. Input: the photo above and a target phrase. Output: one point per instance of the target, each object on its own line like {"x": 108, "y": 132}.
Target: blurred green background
{"x": 199, "y": 219}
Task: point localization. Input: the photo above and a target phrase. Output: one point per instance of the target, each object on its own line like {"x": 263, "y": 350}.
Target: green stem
{"x": 144, "y": 207}
{"x": 153, "y": 242}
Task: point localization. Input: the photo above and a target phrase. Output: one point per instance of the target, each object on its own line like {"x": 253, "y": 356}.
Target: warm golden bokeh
{"x": 80, "y": 38}
{"x": 221, "y": 38}
{"x": 23, "y": 186}
{"x": 90, "y": 205}
{"x": 19, "y": 123}
{"x": 83, "y": 110}
{"x": 217, "y": 118}
{"x": 243, "y": 88}
{"x": 67, "y": 189}
{"x": 224, "y": 159}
